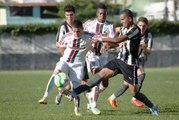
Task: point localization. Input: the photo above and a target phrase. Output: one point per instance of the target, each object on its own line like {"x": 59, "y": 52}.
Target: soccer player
{"x": 127, "y": 66}
{"x": 145, "y": 50}
{"x": 97, "y": 59}
{"x": 72, "y": 63}
{"x": 64, "y": 28}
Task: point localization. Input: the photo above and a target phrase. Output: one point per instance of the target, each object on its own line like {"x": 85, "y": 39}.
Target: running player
{"x": 96, "y": 60}
{"x": 126, "y": 66}
{"x": 145, "y": 50}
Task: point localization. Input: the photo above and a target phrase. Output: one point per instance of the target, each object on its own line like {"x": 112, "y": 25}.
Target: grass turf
{"x": 20, "y": 91}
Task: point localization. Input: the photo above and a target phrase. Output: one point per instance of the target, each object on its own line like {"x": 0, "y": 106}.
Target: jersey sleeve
{"x": 150, "y": 41}
{"x": 65, "y": 39}
{"x": 86, "y": 25}
{"x": 60, "y": 33}
{"x": 134, "y": 31}
{"x": 111, "y": 33}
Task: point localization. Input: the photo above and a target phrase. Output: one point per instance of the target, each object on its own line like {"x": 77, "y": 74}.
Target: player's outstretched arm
{"x": 120, "y": 39}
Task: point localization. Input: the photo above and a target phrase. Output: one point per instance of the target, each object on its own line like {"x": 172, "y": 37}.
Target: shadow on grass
{"x": 170, "y": 109}
{"x": 125, "y": 112}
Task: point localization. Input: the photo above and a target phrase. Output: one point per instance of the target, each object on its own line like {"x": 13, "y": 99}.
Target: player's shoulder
{"x": 62, "y": 24}
{"x": 90, "y": 20}
{"x": 67, "y": 35}
{"x": 135, "y": 27}
{"x": 109, "y": 22}
{"x": 148, "y": 34}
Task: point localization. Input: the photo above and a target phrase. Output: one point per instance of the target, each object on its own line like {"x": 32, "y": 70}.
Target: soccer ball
{"x": 60, "y": 79}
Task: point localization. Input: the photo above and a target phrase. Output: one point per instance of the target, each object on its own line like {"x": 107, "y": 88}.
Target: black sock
{"x": 91, "y": 83}
{"x": 140, "y": 96}
{"x": 81, "y": 89}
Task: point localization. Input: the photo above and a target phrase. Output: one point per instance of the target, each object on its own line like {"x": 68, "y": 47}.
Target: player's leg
{"x": 50, "y": 83}
{"x": 92, "y": 95}
{"x": 112, "y": 99}
{"x": 131, "y": 72}
{"x": 61, "y": 93}
{"x": 105, "y": 73}
{"x": 77, "y": 73}
{"x": 141, "y": 73}
{"x": 109, "y": 70}
{"x": 84, "y": 80}
{"x": 49, "y": 87}
{"x": 76, "y": 100}
{"x": 99, "y": 61}
{"x": 104, "y": 58}
{"x": 62, "y": 66}
{"x": 141, "y": 77}
{"x": 140, "y": 96}
{"x": 120, "y": 67}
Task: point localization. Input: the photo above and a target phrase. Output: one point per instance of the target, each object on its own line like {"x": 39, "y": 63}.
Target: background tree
{"x": 86, "y": 9}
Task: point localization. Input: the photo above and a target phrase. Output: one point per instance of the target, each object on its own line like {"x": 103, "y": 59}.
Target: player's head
{"x": 142, "y": 24}
{"x": 126, "y": 18}
{"x": 101, "y": 12}
{"x": 69, "y": 12}
{"x": 77, "y": 28}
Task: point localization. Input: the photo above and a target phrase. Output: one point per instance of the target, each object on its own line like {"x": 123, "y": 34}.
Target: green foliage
{"x": 163, "y": 27}
{"x": 29, "y": 29}
{"x": 156, "y": 27}
{"x": 20, "y": 91}
{"x": 86, "y": 9}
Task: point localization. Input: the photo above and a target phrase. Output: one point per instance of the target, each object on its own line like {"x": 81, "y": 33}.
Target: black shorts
{"x": 129, "y": 71}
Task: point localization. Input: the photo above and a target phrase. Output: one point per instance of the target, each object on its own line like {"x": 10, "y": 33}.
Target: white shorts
{"x": 75, "y": 71}
{"x": 94, "y": 61}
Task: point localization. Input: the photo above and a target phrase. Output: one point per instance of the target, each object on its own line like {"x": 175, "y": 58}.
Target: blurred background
{"x": 28, "y": 29}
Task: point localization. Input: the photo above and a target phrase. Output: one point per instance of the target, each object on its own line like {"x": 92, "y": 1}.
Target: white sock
{"x": 112, "y": 97}
{"x": 133, "y": 98}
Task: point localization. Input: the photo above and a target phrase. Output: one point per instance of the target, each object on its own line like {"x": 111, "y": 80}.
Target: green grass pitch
{"x": 21, "y": 90}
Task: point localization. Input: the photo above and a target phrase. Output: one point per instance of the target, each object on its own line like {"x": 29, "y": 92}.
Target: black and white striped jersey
{"x": 129, "y": 49}
{"x": 148, "y": 40}
{"x": 62, "y": 30}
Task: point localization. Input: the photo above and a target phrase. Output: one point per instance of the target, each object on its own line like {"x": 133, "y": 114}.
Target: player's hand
{"x": 57, "y": 45}
{"x": 94, "y": 40}
{"x": 143, "y": 46}
{"x": 105, "y": 47}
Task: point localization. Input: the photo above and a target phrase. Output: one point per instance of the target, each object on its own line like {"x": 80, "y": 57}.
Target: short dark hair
{"x": 69, "y": 8}
{"x": 143, "y": 19}
{"x": 102, "y": 6}
{"x": 77, "y": 24}
{"x": 127, "y": 12}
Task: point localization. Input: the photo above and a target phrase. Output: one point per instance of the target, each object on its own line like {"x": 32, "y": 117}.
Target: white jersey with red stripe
{"x": 96, "y": 59}
{"x": 94, "y": 26}
{"x": 99, "y": 28}
{"x": 76, "y": 48}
